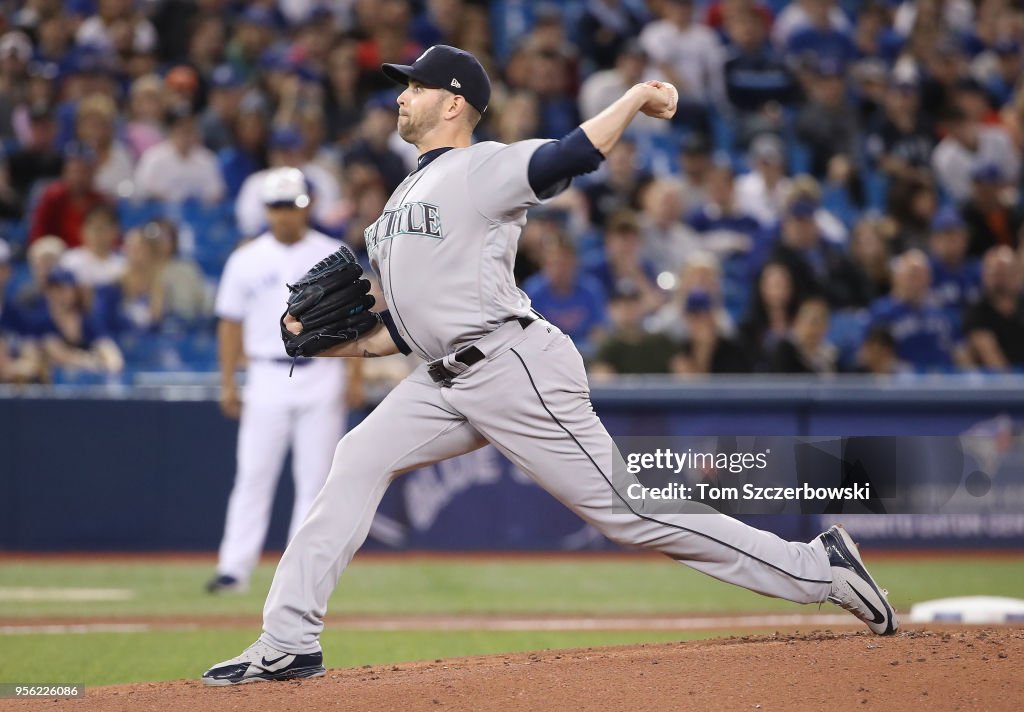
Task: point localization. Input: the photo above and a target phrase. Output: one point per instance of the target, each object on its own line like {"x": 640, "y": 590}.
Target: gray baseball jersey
{"x": 445, "y": 246}
{"x": 444, "y": 250}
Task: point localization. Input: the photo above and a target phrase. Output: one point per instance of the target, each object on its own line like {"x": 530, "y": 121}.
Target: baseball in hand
{"x": 662, "y": 102}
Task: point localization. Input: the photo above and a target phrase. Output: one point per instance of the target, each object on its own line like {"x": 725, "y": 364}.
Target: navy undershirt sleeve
{"x": 556, "y": 163}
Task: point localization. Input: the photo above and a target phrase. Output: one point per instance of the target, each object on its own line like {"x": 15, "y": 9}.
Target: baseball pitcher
{"x": 494, "y": 372}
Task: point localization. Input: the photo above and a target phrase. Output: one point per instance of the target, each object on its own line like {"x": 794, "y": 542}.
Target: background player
{"x": 496, "y": 372}
{"x": 306, "y": 412}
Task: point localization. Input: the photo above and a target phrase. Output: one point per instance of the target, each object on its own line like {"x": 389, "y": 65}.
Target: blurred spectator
{"x": 544, "y": 226}
{"x": 15, "y": 53}
{"x": 371, "y": 144}
{"x": 6, "y": 313}
{"x": 818, "y": 266}
{"x": 621, "y": 267}
{"x": 64, "y": 204}
{"x": 818, "y": 37}
{"x": 70, "y": 338}
{"x": 206, "y": 44}
{"x": 547, "y": 73}
{"x": 992, "y": 214}
{"x": 707, "y": 349}
{"x": 924, "y": 334}
{"x": 690, "y": 55}
{"x": 386, "y": 40}
{"x": 757, "y": 81}
{"x": 999, "y": 78}
{"x": 900, "y": 147}
{"x": 146, "y": 113}
{"x": 956, "y": 279}
{"x": 96, "y": 263}
{"x": 247, "y": 152}
{"x": 770, "y": 316}
{"x": 286, "y": 150}
{"x": 179, "y": 167}
{"x": 797, "y": 15}
{"x": 701, "y": 273}
{"x": 969, "y": 144}
{"x": 956, "y": 15}
{"x": 253, "y": 34}
{"x": 115, "y": 18}
{"x": 970, "y": 97}
{"x": 518, "y": 118}
{"x": 912, "y": 204}
{"x": 223, "y": 102}
{"x": 805, "y": 349}
{"x": 571, "y": 300}
{"x": 184, "y": 291}
{"x": 869, "y": 80}
{"x": 628, "y": 348}
{"x": 136, "y": 302}
{"x": 615, "y": 185}
{"x": 602, "y": 88}
{"x": 723, "y": 226}
{"x": 94, "y": 127}
{"x": 995, "y": 324}
{"x": 762, "y": 192}
{"x": 10, "y": 201}
{"x": 877, "y": 354}
{"x": 437, "y": 23}
{"x": 26, "y": 312}
{"x": 605, "y": 27}
{"x": 342, "y": 103}
{"x": 825, "y": 123}
{"x": 37, "y": 160}
{"x": 20, "y": 358}
{"x": 869, "y": 250}
{"x": 668, "y": 242}
{"x": 695, "y": 164}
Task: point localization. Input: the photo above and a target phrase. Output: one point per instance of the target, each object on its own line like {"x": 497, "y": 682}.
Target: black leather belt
{"x": 468, "y": 355}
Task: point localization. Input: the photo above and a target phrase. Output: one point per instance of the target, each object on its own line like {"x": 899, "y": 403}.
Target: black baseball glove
{"x": 332, "y": 303}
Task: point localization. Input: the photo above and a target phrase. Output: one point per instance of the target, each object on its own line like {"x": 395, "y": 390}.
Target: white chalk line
{"x": 476, "y": 623}
{"x": 26, "y": 594}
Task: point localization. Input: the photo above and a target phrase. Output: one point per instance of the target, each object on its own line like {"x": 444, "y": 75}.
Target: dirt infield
{"x": 936, "y": 669}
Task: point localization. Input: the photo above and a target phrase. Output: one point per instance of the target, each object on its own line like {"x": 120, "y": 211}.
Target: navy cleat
{"x": 222, "y": 583}
{"x": 852, "y": 585}
{"x": 260, "y": 662}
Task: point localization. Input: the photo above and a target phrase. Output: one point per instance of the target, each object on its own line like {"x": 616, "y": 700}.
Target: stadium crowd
{"x": 839, "y": 190}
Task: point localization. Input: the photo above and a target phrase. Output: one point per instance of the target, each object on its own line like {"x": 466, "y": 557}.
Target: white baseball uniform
{"x": 305, "y": 412}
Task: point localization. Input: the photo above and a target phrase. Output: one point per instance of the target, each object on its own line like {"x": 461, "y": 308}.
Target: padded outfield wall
{"x": 150, "y": 468}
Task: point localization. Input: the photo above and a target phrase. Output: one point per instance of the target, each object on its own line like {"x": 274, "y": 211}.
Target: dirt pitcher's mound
{"x": 934, "y": 669}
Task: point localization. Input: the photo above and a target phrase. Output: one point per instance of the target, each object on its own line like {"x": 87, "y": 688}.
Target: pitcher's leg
{"x": 262, "y": 444}
{"x": 410, "y": 428}
{"x": 318, "y": 427}
{"x": 539, "y": 415}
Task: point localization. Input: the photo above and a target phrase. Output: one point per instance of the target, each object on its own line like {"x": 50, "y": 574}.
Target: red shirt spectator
{"x": 63, "y": 205}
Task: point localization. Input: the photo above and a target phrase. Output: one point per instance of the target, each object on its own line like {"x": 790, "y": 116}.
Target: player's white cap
{"x": 285, "y": 188}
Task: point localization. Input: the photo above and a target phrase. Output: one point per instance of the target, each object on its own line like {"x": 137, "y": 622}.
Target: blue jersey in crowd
{"x": 955, "y": 288}
{"x": 924, "y": 334}
{"x": 576, "y": 313}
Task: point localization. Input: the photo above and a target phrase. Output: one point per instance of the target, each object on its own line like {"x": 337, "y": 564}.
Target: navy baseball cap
{"x": 947, "y": 218}
{"x": 444, "y": 67}
{"x": 697, "y": 302}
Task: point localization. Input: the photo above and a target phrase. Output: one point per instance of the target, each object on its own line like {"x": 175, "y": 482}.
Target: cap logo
{"x": 455, "y": 83}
